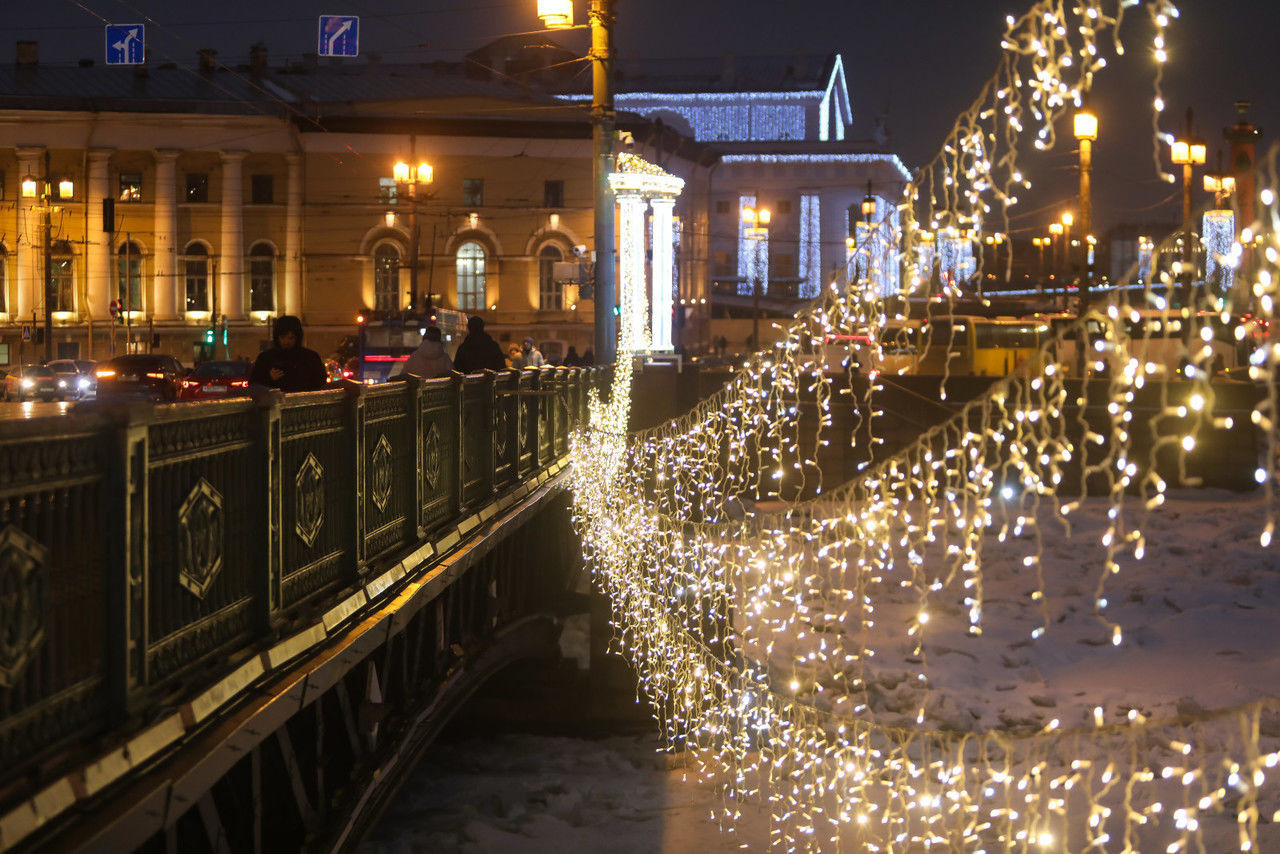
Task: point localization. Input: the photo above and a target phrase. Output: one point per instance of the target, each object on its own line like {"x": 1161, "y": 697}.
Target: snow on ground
{"x": 1201, "y": 621}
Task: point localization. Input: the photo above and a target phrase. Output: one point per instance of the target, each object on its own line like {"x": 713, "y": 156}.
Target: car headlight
{"x": 62, "y": 383}
{"x": 82, "y": 383}
{"x": 27, "y": 383}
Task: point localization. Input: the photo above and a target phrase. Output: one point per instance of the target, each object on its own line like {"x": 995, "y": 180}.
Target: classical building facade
{"x": 210, "y": 198}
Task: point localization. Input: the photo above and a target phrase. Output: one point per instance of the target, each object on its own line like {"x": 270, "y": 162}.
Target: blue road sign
{"x": 126, "y": 44}
{"x": 339, "y": 35}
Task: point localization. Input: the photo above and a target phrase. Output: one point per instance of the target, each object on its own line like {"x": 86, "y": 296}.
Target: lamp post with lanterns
{"x": 47, "y": 190}
{"x": 558, "y": 14}
{"x": 410, "y": 178}
{"x": 1039, "y": 243}
{"x": 1055, "y": 231}
{"x": 1187, "y": 152}
{"x": 1085, "y": 127}
{"x": 757, "y": 231}
{"x": 1068, "y": 219}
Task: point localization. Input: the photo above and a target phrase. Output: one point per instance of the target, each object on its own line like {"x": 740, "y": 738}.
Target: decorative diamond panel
{"x": 431, "y": 458}
{"x": 200, "y": 540}
{"x": 309, "y": 496}
{"x": 501, "y": 426}
{"x": 380, "y": 473}
{"x": 22, "y": 601}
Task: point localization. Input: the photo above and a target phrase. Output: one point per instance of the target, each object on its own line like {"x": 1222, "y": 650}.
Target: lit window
{"x": 471, "y": 275}
{"x": 262, "y": 278}
{"x": 550, "y": 292}
{"x": 386, "y": 278}
{"x": 195, "y": 265}
{"x": 130, "y": 187}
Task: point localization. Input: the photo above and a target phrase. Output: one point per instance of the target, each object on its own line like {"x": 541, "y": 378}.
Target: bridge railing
{"x": 144, "y": 548}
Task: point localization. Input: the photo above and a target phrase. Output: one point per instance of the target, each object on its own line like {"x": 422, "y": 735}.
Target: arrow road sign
{"x": 126, "y": 44}
{"x": 339, "y": 35}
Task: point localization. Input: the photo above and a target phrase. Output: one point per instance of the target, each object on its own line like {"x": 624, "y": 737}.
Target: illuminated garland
{"x": 745, "y": 626}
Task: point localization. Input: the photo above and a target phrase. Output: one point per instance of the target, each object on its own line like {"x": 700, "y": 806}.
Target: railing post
{"x": 355, "y": 403}
{"x": 128, "y": 555}
{"x": 268, "y": 497}
{"x": 419, "y": 441}
{"x": 460, "y": 448}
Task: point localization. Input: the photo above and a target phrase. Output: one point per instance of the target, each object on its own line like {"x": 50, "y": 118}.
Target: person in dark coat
{"x": 571, "y": 358}
{"x": 478, "y": 350}
{"x": 288, "y": 365}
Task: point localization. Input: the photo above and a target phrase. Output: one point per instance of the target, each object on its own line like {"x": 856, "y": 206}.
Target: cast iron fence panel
{"x": 527, "y": 423}
{"x": 440, "y": 454}
{"x": 542, "y": 403}
{"x": 317, "y": 480}
{"x": 559, "y": 408}
{"x": 53, "y": 574}
{"x": 477, "y": 438}
{"x": 506, "y": 417}
{"x": 389, "y": 452}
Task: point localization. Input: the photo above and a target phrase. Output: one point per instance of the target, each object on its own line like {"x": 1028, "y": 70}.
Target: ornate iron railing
{"x": 144, "y": 549}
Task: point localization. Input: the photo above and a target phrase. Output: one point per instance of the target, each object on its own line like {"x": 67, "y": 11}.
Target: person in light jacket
{"x": 429, "y": 360}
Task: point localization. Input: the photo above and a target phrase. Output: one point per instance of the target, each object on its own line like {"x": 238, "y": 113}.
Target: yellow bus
{"x": 967, "y": 345}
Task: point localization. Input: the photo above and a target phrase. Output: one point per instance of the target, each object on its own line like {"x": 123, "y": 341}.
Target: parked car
{"x": 79, "y": 374}
{"x": 212, "y": 380}
{"x": 28, "y": 381}
{"x": 142, "y": 374}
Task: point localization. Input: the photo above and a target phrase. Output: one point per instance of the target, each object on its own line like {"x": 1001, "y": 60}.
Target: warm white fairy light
{"x": 744, "y": 626}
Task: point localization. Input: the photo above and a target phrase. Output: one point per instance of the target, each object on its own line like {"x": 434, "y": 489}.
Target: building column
{"x": 663, "y": 273}
{"x": 165, "y": 300}
{"x": 293, "y": 237}
{"x": 634, "y": 337}
{"x": 231, "y": 254}
{"x": 97, "y": 242}
{"x": 30, "y": 243}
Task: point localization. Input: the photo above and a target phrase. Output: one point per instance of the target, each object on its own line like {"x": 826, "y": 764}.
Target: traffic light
{"x": 208, "y": 335}
{"x": 617, "y": 311}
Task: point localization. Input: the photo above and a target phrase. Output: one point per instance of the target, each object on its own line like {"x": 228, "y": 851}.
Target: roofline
{"x": 890, "y": 159}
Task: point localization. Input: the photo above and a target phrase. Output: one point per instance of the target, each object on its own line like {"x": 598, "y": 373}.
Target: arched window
{"x": 128, "y": 276}
{"x": 471, "y": 296}
{"x": 195, "y": 263}
{"x": 550, "y": 292}
{"x": 262, "y": 278}
{"x": 386, "y": 278}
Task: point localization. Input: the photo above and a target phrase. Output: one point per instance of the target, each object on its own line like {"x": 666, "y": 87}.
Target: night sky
{"x": 917, "y": 61}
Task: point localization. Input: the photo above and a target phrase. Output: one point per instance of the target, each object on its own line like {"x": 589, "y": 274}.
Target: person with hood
{"x": 429, "y": 360}
{"x": 531, "y": 356}
{"x": 288, "y": 365}
{"x": 571, "y": 358}
{"x": 478, "y": 350}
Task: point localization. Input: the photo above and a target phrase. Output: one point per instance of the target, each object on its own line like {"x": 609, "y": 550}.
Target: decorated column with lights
{"x": 663, "y": 278}
{"x": 634, "y": 184}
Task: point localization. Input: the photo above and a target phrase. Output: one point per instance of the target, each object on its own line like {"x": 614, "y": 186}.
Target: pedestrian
{"x": 588, "y": 359}
{"x": 429, "y": 360}
{"x": 571, "y": 357}
{"x": 530, "y": 356}
{"x": 478, "y": 351}
{"x": 514, "y": 359}
{"x": 287, "y": 365}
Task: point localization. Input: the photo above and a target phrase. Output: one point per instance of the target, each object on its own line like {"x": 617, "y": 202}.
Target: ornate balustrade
{"x": 145, "y": 551}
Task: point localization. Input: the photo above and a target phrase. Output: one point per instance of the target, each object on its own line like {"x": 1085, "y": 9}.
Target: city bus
{"x": 1163, "y": 337}
{"x": 898, "y": 354}
{"x": 966, "y": 345}
{"x": 382, "y": 343}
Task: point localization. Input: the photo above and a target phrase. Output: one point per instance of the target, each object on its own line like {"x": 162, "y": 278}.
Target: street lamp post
{"x": 1068, "y": 219}
{"x": 1085, "y": 127}
{"x": 412, "y": 177}
{"x": 558, "y": 14}
{"x": 757, "y": 231}
{"x": 1039, "y": 243}
{"x": 1187, "y": 152}
{"x": 45, "y": 190}
{"x": 1055, "y": 231}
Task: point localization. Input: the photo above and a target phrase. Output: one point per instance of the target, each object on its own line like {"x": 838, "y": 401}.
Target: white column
{"x": 293, "y": 237}
{"x": 663, "y": 274}
{"x": 97, "y": 245}
{"x": 231, "y": 254}
{"x": 631, "y": 306}
{"x": 30, "y": 242}
{"x": 746, "y": 248}
{"x": 165, "y": 300}
{"x": 810, "y": 246}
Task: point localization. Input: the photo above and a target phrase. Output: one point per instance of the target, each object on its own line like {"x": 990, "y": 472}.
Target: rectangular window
{"x": 387, "y": 193}
{"x": 2, "y": 177}
{"x": 130, "y": 187}
{"x": 261, "y": 189}
{"x": 197, "y": 186}
{"x": 723, "y": 206}
{"x": 473, "y": 192}
{"x": 4, "y": 354}
{"x": 553, "y": 194}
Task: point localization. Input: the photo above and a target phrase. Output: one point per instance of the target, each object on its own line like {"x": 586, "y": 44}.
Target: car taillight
{"x": 155, "y": 375}
{"x": 188, "y": 383}
{"x": 239, "y": 383}
{"x": 346, "y": 375}
{"x": 106, "y": 373}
